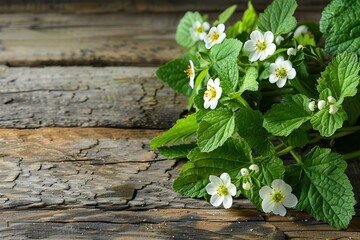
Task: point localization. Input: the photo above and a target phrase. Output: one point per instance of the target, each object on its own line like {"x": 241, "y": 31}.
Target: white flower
{"x": 291, "y": 51}
{"x": 198, "y": 30}
{"x": 331, "y": 99}
{"x": 221, "y": 190}
{"x": 301, "y": 30}
{"x": 246, "y": 185}
{"x": 278, "y": 40}
{"x": 299, "y": 47}
{"x": 212, "y": 94}
{"x": 215, "y": 36}
{"x": 260, "y": 46}
{"x": 281, "y": 71}
{"x": 276, "y": 197}
{"x": 254, "y": 167}
{"x": 244, "y": 172}
{"x": 312, "y": 106}
{"x": 190, "y": 72}
{"x": 333, "y": 109}
{"x": 321, "y": 104}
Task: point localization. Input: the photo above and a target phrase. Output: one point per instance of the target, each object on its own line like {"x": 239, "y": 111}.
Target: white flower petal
{"x": 225, "y": 177}
{"x": 268, "y": 204}
{"x": 265, "y": 192}
{"x": 272, "y": 67}
{"x": 281, "y": 82}
{"x": 218, "y": 93}
{"x": 287, "y": 65}
{"x": 270, "y": 49}
{"x": 211, "y": 188}
{"x": 254, "y": 56}
{"x": 206, "y": 104}
{"x": 215, "y": 180}
{"x": 216, "y": 200}
{"x": 232, "y": 189}
{"x": 206, "y": 26}
{"x": 221, "y": 28}
{"x": 291, "y": 74}
{"x": 277, "y": 184}
{"x": 216, "y": 82}
{"x": 250, "y": 46}
{"x": 210, "y": 84}
{"x": 273, "y": 78}
{"x": 269, "y": 37}
{"x": 257, "y": 35}
{"x": 209, "y": 45}
{"x": 213, "y": 104}
{"x": 263, "y": 55}
{"x": 191, "y": 83}
{"x": 279, "y": 209}
{"x": 228, "y": 201}
{"x": 221, "y": 38}
{"x": 290, "y": 200}
{"x": 279, "y": 60}
{"x": 300, "y": 30}
{"x": 285, "y": 188}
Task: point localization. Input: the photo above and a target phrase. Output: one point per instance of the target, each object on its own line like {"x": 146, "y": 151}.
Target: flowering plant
{"x": 270, "y": 108}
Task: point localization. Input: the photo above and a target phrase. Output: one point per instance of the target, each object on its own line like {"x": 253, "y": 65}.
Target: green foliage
{"x": 278, "y": 17}
{"x": 247, "y": 24}
{"x": 176, "y": 151}
{"x": 227, "y": 51}
{"x": 323, "y": 188}
{"x": 340, "y": 24}
{"x": 327, "y": 123}
{"x": 183, "y": 36}
{"x": 249, "y": 81}
{"x": 225, "y": 15}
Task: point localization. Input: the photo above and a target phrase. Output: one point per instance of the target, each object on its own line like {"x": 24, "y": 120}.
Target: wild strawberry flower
{"x": 212, "y": 94}
{"x": 190, "y": 72}
{"x": 301, "y": 30}
{"x": 276, "y": 197}
{"x": 198, "y": 30}
{"x": 215, "y": 36}
{"x": 281, "y": 70}
{"x": 221, "y": 190}
{"x": 260, "y": 46}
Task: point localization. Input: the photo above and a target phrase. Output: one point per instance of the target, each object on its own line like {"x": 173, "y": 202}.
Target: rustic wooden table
{"x": 91, "y": 64}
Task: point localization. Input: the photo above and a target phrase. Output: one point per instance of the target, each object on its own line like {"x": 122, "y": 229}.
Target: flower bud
{"x": 331, "y": 99}
{"x": 312, "y": 106}
{"x": 300, "y": 47}
{"x": 333, "y": 109}
{"x": 246, "y": 185}
{"x": 254, "y": 167}
{"x": 244, "y": 172}
{"x": 321, "y": 104}
{"x": 291, "y": 51}
{"x": 279, "y": 39}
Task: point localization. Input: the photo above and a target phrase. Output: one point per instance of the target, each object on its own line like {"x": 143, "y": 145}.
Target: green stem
{"x": 351, "y": 155}
{"x": 278, "y": 147}
{"x": 242, "y": 100}
{"x": 284, "y": 151}
{"x": 349, "y": 129}
{"x": 316, "y": 139}
{"x": 296, "y": 156}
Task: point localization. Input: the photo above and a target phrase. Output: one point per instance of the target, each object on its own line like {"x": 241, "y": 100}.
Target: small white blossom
{"x": 221, "y": 190}
{"x": 281, "y": 71}
{"x": 215, "y": 36}
{"x": 260, "y": 46}
{"x": 276, "y": 197}
{"x": 333, "y": 109}
{"x": 254, "y": 167}
{"x": 198, "y": 30}
{"x": 212, "y": 94}
{"x": 246, "y": 185}
{"x": 331, "y": 99}
{"x": 301, "y": 30}
{"x": 244, "y": 172}
{"x": 321, "y": 104}
{"x": 278, "y": 40}
{"x": 299, "y": 47}
{"x": 190, "y": 72}
{"x": 312, "y": 106}
{"x": 291, "y": 51}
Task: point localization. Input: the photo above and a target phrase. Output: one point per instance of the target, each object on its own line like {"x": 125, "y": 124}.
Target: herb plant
{"x": 269, "y": 102}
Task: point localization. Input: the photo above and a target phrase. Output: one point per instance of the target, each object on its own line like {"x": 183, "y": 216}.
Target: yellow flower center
{"x": 210, "y": 93}
{"x": 214, "y": 36}
{"x": 222, "y": 191}
{"x": 278, "y": 197}
{"x": 260, "y": 46}
{"x": 199, "y": 29}
{"x": 281, "y": 73}
{"x": 189, "y": 71}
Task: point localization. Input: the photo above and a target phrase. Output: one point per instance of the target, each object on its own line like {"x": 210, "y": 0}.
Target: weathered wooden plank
{"x": 145, "y": 39}
{"x": 99, "y": 6}
{"x": 86, "y": 96}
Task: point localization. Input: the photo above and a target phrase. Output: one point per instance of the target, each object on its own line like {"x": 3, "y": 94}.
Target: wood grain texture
{"x": 86, "y": 96}
{"x": 100, "y": 183}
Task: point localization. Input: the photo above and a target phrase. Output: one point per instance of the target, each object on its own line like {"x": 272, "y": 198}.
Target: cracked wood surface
{"x": 101, "y": 183}
{"x": 129, "y": 97}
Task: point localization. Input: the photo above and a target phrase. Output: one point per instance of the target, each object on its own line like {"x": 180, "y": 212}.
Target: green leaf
{"x": 341, "y": 76}
{"x": 247, "y": 24}
{"x": 182, "y": 131}
{"x": 327, "y": 123}
{"x": 224, "y": 52}
{"x": 249, "y": 81}
{"x": 278, "y": 17}
{"x": 215, "y": 128}
{"x": 298, "y": 138}
{"x": 340, "y": 24}
{"x": 225, "y": 15}
{"x": 173, "y": 74}
{"x": 229, "y": 76}
{"x": 194, "y": 176}
{"x": 176, "y": 151}
{"x": 351, "y": 106}
{"x": 249, "y": 124}
{"x": 183, "y": 35}
{"x": 323, "y": 189}
{"x": 287, "y": 116}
